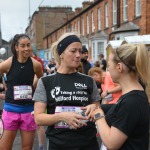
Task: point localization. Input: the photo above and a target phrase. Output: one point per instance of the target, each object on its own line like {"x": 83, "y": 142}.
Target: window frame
{"x": 114, "y": 12}
{"x": 106, "y": 15}
{"x": 125, "y": 10}
{"x": 92, "y": 19}
{"x": 138, "y": 8}
{"x": 99, "y": 18}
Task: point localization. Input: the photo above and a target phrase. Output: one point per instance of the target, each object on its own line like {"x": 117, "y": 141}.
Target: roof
{"x": 127, "y": 27}
{"x": 144, "y": 39}
{"x": 100, "y": 34}
{"x": 115, "y": 43}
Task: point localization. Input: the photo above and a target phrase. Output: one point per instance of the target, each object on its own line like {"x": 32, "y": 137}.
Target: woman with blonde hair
{"x": 126, "y": 124}
{"x": 65, "y": 94}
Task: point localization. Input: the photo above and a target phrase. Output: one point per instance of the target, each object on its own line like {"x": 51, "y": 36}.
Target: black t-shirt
{"x": 104, "y": 63}
{"x": 74, "y": 89}
{"x": 131, "y": 116}
{"x": 86, "y": 66}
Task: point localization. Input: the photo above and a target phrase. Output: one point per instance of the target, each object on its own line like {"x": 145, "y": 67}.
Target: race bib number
{"x": 22, "y": 92}
{"x": 60, "y": 109}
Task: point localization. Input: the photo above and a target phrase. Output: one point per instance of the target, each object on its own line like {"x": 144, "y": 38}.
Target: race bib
{"x": 22, "y": 92}
{"x": 60, "y": 109}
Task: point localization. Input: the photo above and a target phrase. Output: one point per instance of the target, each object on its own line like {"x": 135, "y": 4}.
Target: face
{"x": 71, "y": 57}
{"x": 85, "y": 55}
{"x": 97, "y": 77}
{"x": 112, "y": 68}
{"x": 23, "y": 48}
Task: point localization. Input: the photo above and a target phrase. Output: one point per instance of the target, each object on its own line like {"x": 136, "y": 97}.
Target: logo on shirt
{"x": 22, "y": 67}
{"x": 55, "y": 91}
{"x": 80, "y": 86}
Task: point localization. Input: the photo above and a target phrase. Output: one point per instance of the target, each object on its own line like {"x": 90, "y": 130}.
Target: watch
{"x": 107, "y": 92}
{"x": 98, "y": 116}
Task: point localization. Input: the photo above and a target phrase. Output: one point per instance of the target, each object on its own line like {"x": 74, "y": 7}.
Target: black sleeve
{"x": 127, "y": 115}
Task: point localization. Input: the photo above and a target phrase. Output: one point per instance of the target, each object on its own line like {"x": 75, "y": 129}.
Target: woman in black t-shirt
{"x": 65, "y": 94}
{"x": 126, "y": 124}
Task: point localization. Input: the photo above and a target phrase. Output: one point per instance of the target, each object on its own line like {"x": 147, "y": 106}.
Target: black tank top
{"x": 20, "y": 80}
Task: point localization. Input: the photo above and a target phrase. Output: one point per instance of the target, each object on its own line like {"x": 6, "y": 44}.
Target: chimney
{"x": 78, "y": 10}
{"x": 86, "y": 4}
{"x": 71, "y": 15}
{"x": 65, "y": 20}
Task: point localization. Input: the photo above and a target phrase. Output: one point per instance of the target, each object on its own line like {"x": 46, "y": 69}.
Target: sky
{"x": 14, "y": 14}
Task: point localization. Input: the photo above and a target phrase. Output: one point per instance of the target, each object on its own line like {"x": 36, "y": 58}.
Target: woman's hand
{"x": 74, "y": 120}
{"x": 104, "y": 94}
{"x": 89, "y": 109}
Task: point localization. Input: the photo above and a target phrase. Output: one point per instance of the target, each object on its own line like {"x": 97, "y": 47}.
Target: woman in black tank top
{"x": 20, "y": 71}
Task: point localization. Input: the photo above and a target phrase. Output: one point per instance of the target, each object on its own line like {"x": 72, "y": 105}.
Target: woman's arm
{"x": 5, "y": 66}
{"x": 38, "y": 71}
{"x": 73, "y": 119}
{"x": 112, "y": 137}
{"x": 2, "y": 96}
{"x": 115, "y": 89}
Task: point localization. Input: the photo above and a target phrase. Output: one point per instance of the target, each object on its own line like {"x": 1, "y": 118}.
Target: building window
{"x": 138, "y": 7}
{"x": 93, "y": 51}
{"x": 78, "y": 26}
{"x": 106, "y": 15}
{"x": 87, "y": 22}
{"x": 75, "y": 27}
{"x": 82, "y": 26}
{"x": 100, "y": 46}
{"x": 99, "y": 19}
{"x": 114, "y": 12}
{"x": 125, "y": 10}
{"x": 72, "y": 28}
{"x": 92, "y": 14}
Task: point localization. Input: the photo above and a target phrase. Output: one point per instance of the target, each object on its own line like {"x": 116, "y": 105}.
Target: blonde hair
{"x": 80, "y": 68}
{"x": 136, "y": 58}
{"x": 55, "y": 44}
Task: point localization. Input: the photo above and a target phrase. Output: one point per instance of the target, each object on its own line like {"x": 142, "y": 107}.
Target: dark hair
{"x": 101, "y": 55}
{"x": 84, "y": 49}
{"x": 15, "y": 42}
{"x": 97, "y": 63}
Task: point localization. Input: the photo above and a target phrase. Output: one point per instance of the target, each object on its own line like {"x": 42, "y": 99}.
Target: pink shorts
{"x": 15, "y": 121}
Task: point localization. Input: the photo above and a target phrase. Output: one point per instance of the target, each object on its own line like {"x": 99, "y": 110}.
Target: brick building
{"x": 99, "y": 21}
{"x": 44, "y": 21}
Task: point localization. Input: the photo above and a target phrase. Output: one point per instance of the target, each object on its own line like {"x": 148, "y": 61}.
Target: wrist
{"x": 107, "y": 92}
{"x": 98, "y": 116}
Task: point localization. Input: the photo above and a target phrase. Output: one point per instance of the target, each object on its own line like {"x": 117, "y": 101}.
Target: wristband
{"x": 107, "y": 92}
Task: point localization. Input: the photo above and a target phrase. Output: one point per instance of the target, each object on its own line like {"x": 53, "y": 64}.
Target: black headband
{"x": 66, "y": 42}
